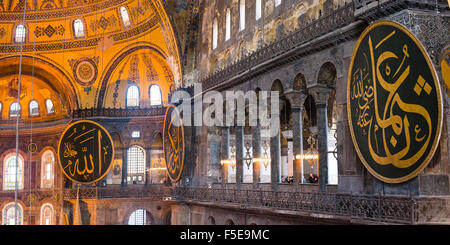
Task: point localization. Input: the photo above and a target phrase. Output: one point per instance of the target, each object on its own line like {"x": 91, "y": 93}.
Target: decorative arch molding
{"x": 54, "y": 77}
{"x": 172, "y": 41}
{"x": 114, "y": 63}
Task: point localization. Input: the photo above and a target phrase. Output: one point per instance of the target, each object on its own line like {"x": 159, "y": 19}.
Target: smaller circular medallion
{"x": 85, "y": 72}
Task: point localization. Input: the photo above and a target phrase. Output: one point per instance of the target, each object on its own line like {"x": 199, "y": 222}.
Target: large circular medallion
{"x": 394, "y": 103}
{"x": 174, "y": 145}
{"x": 85, "y": 152}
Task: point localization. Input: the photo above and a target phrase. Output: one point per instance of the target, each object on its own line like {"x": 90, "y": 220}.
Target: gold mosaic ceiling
{"x": 86, "y": 64}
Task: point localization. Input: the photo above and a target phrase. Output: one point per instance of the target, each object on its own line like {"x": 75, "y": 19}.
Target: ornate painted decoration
{"x": 85, "y": 70}
{"x": 394, "y": 103}
{"x": 85, "y": 152}
{"x": 49, "y": 31}
{"x": 173, "y": 143}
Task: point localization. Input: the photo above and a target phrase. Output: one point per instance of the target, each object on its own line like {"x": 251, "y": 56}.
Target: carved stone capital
{"x": 321, "y": 94}
{"x": 296, "y": 98}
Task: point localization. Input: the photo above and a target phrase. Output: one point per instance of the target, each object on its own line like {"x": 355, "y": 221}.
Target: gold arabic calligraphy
{"x": 83, "y": 154}
{"x": 376, "y": 116}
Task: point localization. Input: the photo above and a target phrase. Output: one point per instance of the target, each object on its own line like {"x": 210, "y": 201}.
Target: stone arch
{"x": 214, "y": 66}
{"x": 300, "y": 83}
{"x": 42, "y": 154}
{"x": 47, "y": 71}
{"x": 327, "y": 74}
{"x": 277, "y": 86}
{"x": 211, "y": 221}
{"x": 226, "y": 58}
{"x": 278, "y": 31}
{"x": 229, "y": 222}
{"x": 42, "y": 206}
{"x": 24, "y": 157}
{"x": 258, "y": 40}
{"x": 148, "y": 216}
{"x": 242, "y": 50}
{"x": 299, "y": 14}
{"x": 20, "y": 205}
{"x": 115, "y": 62}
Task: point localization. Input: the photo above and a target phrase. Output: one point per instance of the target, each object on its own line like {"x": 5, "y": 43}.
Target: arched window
{"x": 215, "y": 33}
{"x": 34, "y": 108}
{"x": 14, "y": 110}
{"x": 21, "y": 33}
{"x": 139, "y": 217}
{"x": 136, "y": 165}
{"x": 78, "y": 28}
{"x": 9, "y": 214}
{"x": 258, "y": 9}
{"x": 125, "y": 17}
{"x": 47, "y": 163}
{"x": 47, "y": 214}
{"x": 49, "y": 106}
{"x": 10, "y": 175}
{"x": 228, "y": 25}
{"x": 242, "y": 15}
{"x": 155, "y": 95}
{"x": 133, "y": 96}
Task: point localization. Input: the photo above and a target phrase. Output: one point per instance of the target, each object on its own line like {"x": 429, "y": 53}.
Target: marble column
{"x": 124, "y": 167}
{"x": 239, "y": 155}
{"x": 148, "y": 166}
{"x": 297, "y": 100}
{"x": 321, "y": 95}
{"x": 275, "y": 155}
{"x": 257, "y": 153}
{"x": 225, "y": 153}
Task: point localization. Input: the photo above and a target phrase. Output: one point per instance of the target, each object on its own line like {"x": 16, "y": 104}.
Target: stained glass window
{"x": 242, "y": 15}
{"x": 258, "y": 9}
{"x": 215, "y": 33}
{"x": 125, "y": 16}
{"x": 228, "y": 25}
{"x": 47, "y": 214}
{"x": 155, "y": 95}
{"x": 78, "y": 28}
{"x": 20, "y": 34}
{"x": 48, "y": 160}
{"x": 133, "y": 96}
{"x": 136, "y": 164}
{"x": 136, "y": 135}
{"x": 9, "y": 214}
{"x": 14, "y": 110}
{"x": 138, "y": 217}
{"x": 50, "y": 107}
{"x": 10, "y": 175}
{"x": 34, "y": 108}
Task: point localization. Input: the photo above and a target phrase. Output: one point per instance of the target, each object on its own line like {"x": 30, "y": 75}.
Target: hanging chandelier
{"x": 311, "y": 155}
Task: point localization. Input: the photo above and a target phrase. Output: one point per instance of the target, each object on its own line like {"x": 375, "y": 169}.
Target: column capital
{"x": 321, "y": 93}
{"x": 296, "y": 98}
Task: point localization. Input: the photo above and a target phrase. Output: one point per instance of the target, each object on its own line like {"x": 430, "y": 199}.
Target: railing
{"x": 376, "y": 208}
{"x": 365, "y": 3}
{"x": 373, "y": 208}
{"x": 24, "y": 194}
{"x": 130, "y": 112}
